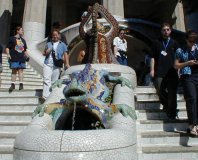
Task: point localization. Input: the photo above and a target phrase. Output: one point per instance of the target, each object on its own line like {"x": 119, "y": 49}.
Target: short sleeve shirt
{"x": 17, "y": 47}
{"x": 120, "y": 44}
{"x": 60, "y": 50}
{"x": 164, "y": 55}
{"x": 184, "y": 55}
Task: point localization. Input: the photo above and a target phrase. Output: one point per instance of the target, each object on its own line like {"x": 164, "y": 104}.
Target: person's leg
{"x": 55, "y": 74}
{"x": 190, "y": 96}
{"x": 20, "y": 79}
{"x": 172, "y": 97}
{"x": 160, "y": 85}
{"x": 124, "y": 61}
{"x": 47, "y": 76}
{"x": 13, "y": 79}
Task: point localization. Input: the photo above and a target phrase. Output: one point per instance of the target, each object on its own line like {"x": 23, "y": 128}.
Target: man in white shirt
{"x": 120, "y": 48}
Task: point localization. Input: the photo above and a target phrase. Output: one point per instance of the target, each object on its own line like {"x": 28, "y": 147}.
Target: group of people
{"x": 171, "y": 63}
{"x": 55, "y": 53}
{"x": 167, "y": 60}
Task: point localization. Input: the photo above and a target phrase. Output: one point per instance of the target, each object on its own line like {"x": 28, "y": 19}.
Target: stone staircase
{"x": 158, "y": 137}
{"x": 16, "y": 108}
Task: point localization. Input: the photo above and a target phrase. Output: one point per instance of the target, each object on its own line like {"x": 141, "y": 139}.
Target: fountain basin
{"x": 39, "y": 141}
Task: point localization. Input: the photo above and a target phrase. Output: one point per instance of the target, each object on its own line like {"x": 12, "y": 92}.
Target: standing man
{"x": 120, "y": 48}
{"x": 162, "y": 70}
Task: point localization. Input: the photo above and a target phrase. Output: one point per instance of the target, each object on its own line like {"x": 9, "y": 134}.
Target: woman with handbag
{"x": 17, "y": 55}
{"x": 55, "y": 57}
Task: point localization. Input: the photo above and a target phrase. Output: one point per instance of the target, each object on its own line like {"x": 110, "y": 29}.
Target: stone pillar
{"x": 34, "y": 21}
{"x": 115, "y": 7}
{"x": 5, "y": 19}
{"x": 179, "y": 15}
{"x": 34, "y": 30}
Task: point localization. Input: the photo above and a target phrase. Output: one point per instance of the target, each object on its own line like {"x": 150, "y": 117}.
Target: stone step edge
{"x": 6, "y": 149}
{"x": 162, "y": 121}
{"x": 160, "y": 110}
{"x": 14, "y": 123}
{"x": 154, "y": 134}
{"x": 8, "y": 135}
{"x": 169, "y": 149}
{"x": 15, "y": 113}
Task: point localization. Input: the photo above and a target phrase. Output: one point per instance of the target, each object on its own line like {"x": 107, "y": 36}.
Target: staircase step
{"x": 25, "y": 86}
{"x": 25, "y": 79}
{"x": 15, "y": 116}
{"x": 156, "y": 105}
{"x": 25, "y": 75}
{"x": 26, "y": 72}
{"x": 17, "y": 107}
{"x": 16, "y": 126}
{"x": 168, "y": 138}
{"x": 169, "y": 153}
{"x": 144, "y": 89}
{"x": 158, "y": 114}
{"x": 8, "y": 134}
{"x": 19, "y": 100}
{"x": 25, "y": 83}
{"x": 21, "y": 93}
{"x": 7, "y": 69}
{"x": 162, "y": 125}
{"x": 6, "y": 149}
{"x": 153, "y": 97}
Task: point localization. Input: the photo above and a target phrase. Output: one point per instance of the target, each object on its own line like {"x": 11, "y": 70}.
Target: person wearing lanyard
{"x": 163, "y": 71}
{"x": 120, "y": 48}
{"x": 187, "y": 63}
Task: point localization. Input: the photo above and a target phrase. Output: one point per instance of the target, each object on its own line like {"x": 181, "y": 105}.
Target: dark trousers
{"x": 167, "y": 92}
{"x": 122, "y": 58}
{"x": 190, "y": 86}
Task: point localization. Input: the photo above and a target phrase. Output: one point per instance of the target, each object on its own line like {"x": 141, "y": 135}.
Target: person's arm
{"x": 66, "y": 60}
{"x": 8, "y": 53}
{"x": 115, "y": 50}
{"x": 47, "y": 50}
{"x": 26, "y": 52}
{"x": 152, "y": 70}
{"x": 179, "y": 65}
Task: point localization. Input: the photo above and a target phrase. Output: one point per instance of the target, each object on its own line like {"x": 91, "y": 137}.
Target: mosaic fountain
{"x": 90, "y": 113}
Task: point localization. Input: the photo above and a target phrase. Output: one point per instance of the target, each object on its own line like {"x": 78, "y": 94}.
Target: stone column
{"x": 5, "y": 19}
{"x": 115, "y": 7}
{"x": 34, "y": 21}
{"x": 179, "y": 14}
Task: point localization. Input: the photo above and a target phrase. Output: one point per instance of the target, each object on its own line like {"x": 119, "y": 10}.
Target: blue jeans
{"x": 122, "y": 60}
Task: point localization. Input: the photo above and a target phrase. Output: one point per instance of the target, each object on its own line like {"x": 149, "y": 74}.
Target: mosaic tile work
{"x": 40, "y": 142}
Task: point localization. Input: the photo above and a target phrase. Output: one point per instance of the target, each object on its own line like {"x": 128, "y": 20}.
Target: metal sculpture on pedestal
{"x": 98, "y": 43}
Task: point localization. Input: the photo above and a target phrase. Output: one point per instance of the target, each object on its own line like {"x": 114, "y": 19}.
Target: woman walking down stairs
{"x": 157, "y": 136}
{"x": 16, "y": 107}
